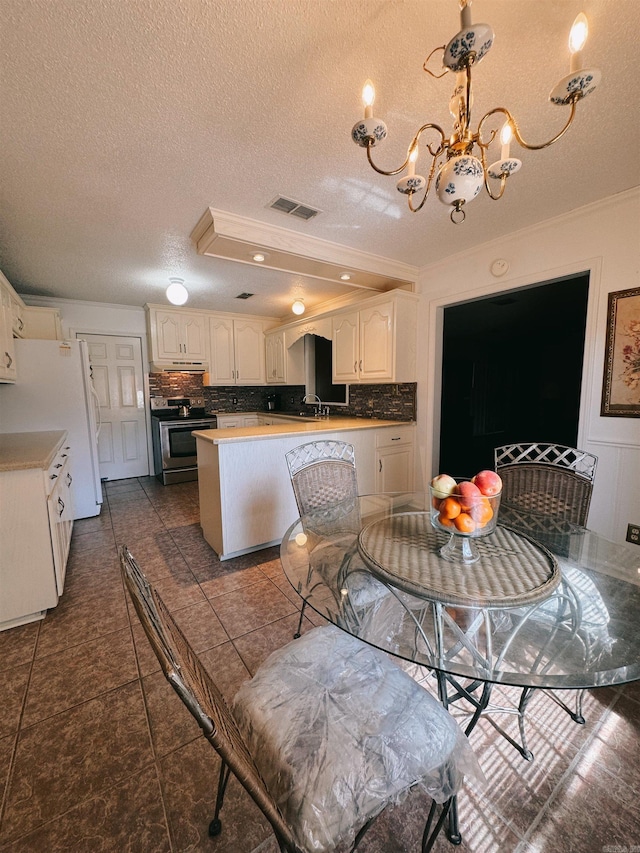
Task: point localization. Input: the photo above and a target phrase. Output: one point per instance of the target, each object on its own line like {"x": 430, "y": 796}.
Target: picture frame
{"x": 621, "y": 381}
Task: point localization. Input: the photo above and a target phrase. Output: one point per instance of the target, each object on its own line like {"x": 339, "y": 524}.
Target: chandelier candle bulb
{"x": 506, "y": 135}
{"x": 465, "y": 14}
{"x": 577, "y": 40}
{"x": 413, "y": 156}
{"x": 368, "y": 97}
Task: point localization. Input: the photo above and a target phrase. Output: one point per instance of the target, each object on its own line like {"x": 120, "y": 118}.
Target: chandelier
{"x": 459, "y": 162}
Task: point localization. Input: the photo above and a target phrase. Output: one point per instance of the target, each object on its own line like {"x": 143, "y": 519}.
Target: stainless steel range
{"x": 173, "y": 420}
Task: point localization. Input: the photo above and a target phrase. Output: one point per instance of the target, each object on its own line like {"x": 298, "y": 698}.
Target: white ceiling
{"x": 124, "y": 120}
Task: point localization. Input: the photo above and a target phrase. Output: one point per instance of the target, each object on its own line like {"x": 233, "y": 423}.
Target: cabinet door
{"x": 394, "y": 468}
{"x": 249, "y": 352}
{"x": 8, "y": 371}
{"x": 194, "y": 336}
{"x": 275, "y": 358}
{"x": 376, "y": 343}
{"x": 345, "y": 348}
{"x": 17, "y": 319}
{"x": 221, "y": 363}
{"x": 60, "y": 509}
{"x": 169, "y": 335}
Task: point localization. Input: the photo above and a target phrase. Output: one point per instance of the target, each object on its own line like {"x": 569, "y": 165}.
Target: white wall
{"x": 602, "y": 238}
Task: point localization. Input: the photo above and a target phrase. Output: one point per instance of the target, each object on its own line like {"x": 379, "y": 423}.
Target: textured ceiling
{"x": 123, "y": 120}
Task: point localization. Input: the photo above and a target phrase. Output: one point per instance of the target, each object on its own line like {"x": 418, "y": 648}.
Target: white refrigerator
{"x": 53, "y": 390}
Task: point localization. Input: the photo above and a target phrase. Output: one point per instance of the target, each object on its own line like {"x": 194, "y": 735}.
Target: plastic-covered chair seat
{"x": 326, "y": 734}
{"x": 328, "y": 707}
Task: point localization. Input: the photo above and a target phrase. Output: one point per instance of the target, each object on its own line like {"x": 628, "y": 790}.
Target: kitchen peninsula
{"x": 246, "y": 499}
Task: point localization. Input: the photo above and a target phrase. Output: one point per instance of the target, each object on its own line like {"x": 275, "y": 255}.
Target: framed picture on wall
{"x": 621, "y": 385}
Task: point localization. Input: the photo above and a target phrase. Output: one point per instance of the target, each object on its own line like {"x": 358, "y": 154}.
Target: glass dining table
{"x": 548, "y": 605}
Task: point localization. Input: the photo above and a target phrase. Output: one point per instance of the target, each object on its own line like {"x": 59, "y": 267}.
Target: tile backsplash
{"x": 391, "y": 401}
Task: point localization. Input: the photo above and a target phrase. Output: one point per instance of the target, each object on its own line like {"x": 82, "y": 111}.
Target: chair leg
{"x": 429, "y": 835}
{"x": 215, "y": 827}
{"x": 297, "y": 633}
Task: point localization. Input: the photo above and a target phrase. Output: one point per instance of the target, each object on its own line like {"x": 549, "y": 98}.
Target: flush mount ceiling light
{"x": 177, "y": 293}
{"x": 345, "y": 277}
{"x": 298, "y": 306}
{"x": 259, "y": 257}
{"x": 459, "y": 175}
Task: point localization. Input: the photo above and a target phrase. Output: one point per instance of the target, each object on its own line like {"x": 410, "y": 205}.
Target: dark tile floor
{"x": 97, "y": 755}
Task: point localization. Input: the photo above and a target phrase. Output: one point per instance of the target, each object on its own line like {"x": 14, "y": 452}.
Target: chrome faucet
{"x": 317, "y": 402}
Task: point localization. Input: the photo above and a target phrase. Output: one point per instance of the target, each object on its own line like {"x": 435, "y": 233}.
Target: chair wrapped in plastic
{"x": 327, "y": 733}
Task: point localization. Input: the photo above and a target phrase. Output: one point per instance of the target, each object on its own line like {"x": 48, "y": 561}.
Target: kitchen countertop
{"x": 22, "y": 450}
{"x": 338, "y": 423}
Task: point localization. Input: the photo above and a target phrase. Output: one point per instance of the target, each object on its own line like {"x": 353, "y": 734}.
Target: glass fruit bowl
{"x": 465, "y": 513}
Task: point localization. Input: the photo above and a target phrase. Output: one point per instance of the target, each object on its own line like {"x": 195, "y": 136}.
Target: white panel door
{"x": 116, "y": 368}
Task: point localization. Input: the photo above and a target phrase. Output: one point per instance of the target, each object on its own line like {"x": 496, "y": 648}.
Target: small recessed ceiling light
{"x": 298, "y": 306}
{"x": 345, "y": 277}
{"x": 259, "y": 257}
{"x": 177, "y": 293}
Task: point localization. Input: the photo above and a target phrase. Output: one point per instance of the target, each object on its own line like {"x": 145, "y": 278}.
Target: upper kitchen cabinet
{"x": 376, "y": 343}
{"x": 8, "y": 371}
{"x": 177, "y": 338}
{"x": 285, "y": 365}
{"x": 43, "y": 324}
{"x": 237, "y": 351}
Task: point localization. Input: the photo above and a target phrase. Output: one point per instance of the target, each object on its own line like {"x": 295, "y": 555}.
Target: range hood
{"x": 178, "y": 367}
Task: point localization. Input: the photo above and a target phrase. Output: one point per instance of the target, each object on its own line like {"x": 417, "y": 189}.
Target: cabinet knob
{"x": 61, "y": 505}
{"x": 53, "y": 477}
{"x": 380, "y": 464}
{"x": 69, "y": 479}
{"x": 9, "y": 359}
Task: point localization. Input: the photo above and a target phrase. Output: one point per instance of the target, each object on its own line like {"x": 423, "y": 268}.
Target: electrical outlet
{"x": 293, "y": 399}
{"x": 234, "y": 401}
{"x": 633, "y": 533}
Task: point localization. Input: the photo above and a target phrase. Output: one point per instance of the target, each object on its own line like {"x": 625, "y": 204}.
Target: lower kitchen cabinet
{"x": 36, "y": 522}
{"x": 395, "y": 459}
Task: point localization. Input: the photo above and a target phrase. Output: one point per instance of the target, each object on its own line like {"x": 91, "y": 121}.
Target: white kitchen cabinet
{"x": 177, "y": 337}
{"x": 376, "y": 343}
{"x": 35, "y": 524}
{"x": 237, "y": 351}
{"x": 235, "y": 421}
{"x": 395, "y": 459}
{"x": 8, "y": 372}
{"x": 284, "y": 366}
{"x": 42, "y": 324}
{"x": 18, "y": 318}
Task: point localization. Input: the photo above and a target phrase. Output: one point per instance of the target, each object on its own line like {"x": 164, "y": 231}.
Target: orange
{"x": 464, "y": 523}
{"x": 482, "y": 513}
{"x": 446, "y": 522}
{"x": 449, "y": 508}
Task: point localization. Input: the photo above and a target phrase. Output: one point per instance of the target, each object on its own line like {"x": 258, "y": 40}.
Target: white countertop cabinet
{"x": 36, "y": 522}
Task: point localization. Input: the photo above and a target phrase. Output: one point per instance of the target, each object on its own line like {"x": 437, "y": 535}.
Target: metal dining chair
{"x": 545, "y": 486}
{"x": 326, "y": 734}
{"x": 323, "y": 475}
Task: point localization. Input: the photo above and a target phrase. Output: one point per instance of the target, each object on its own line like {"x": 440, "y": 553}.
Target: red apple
{"x": 468, "y": 495}
{"x": 488, "y": 482}
{"x": 443, "y": 485}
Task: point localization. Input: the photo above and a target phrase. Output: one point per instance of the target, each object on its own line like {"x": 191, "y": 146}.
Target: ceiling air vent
{"x": 244, "y": 295}
{"x": 293, "y": 208}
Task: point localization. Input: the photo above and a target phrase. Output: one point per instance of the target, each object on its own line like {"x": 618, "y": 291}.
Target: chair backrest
{"x": 548, "y": 479}
{"x": 197, "y": 690}
{"x": 323, "y": 473}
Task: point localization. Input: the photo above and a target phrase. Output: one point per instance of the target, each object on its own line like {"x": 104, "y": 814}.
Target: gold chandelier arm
{"x": 414, "y": 142}
{"x": 426, "y": 62}
{"x": 432, "y": 172}
{"x": 487, "y": 186}
{"x": 516, "y": 130}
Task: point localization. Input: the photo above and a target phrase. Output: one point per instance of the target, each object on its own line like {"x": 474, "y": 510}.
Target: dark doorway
{"x": 512, "y": 371}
